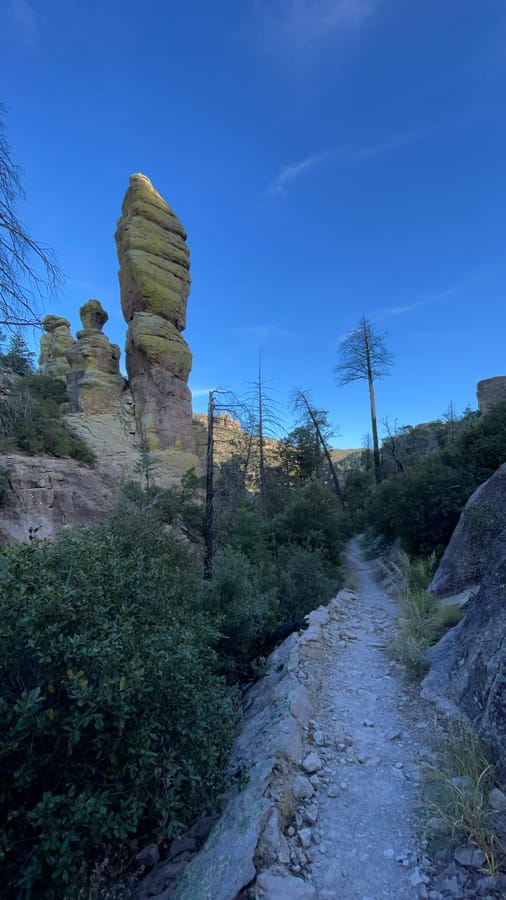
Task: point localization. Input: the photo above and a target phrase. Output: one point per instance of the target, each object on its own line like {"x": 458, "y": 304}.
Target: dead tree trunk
{"x": 209, "y": 512}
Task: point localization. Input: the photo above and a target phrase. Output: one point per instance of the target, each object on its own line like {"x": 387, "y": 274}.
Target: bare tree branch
{"x": 27, "y": 269}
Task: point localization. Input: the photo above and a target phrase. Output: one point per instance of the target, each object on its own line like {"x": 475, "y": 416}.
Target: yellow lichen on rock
{"x": 155, "y": 284}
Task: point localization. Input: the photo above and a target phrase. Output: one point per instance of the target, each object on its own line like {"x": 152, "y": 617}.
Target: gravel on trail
{"x": 369, "y": 846}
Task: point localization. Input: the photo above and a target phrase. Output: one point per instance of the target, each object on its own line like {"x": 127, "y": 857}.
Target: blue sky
{"x": 328, "y": 158}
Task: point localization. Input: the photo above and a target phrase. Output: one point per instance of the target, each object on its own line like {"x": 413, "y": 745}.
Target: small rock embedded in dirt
{"x": 416, "y": 878}
{"x": 333, "y": 791}
{"x": 389, "y": 854}
{"x": 310, "y": 815}
{"x": 305, "y": 837}
{"x": 470, "y": 857}
{"x": 368, "y": 723}
{"x": 312, "y": 763}
{"x": 497, "y": 800}
{"x": 302, "y": 787}
{"x": 283, "y": 887}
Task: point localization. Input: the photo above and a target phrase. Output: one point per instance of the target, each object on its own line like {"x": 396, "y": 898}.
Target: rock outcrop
{"x": 249, "y": 843}
{"x": 48, "y": 494}
{"x": 489, "y": 391}
{"x": 468, "y": 666}
{"x": 465, "y": 557}
{"x": 155, "y": 284}
{"x": 93, "y": 379}
{"x": 54, "y": 344}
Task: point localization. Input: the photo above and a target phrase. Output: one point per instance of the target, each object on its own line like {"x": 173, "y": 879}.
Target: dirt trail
{"x": 367, "y": 824}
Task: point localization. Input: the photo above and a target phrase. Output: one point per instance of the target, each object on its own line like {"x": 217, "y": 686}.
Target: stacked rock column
{"x": 155, "y": 284}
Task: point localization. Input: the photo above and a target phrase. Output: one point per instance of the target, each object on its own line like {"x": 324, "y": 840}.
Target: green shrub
{"x": 114, "y": 725}
{"x": 32, "y": 416}
{"x": 420, "y": 507}
{"x": 313, "y": 518}
{"x": 245, "y": 610}
{"x": 305, "y": 581}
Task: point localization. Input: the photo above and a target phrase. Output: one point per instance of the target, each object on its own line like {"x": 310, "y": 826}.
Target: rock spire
{"x": 94, "y": 381}
{"x": 155, "y": 284}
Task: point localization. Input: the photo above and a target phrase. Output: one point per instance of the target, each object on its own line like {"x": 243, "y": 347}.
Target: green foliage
{"x": 244, "y": 609}
{"x": 422, "y": 506}
{"x": 300, "y": 454}
{"x": 181, "y": 505}
{"x": 313, "y": 519}
{"x": 31, "y": 416}
{"x": 456, "y": 791}
{"x": 114, "y": 724}
{"x": 305, "y": 581}
{"x": 423, "y": 621}
{"x": 19, "y": 357}
{"x": 358, "y": 486}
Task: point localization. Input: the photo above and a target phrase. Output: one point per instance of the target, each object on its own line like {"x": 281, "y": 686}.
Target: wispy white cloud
{"x": 349, "y": 156}
{"x": 392, "y": 144}
{"x": 293, "y": 171}
{"x": 304, "y": 27}
{"x": 437, "y": 297}
{"x": 25, "y": 21}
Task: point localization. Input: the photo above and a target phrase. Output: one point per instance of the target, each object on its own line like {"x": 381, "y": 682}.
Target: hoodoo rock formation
{"x": 155, "y": 284}
{"x": 489, "y": 391}
{"x": 94, "y": 381}
{"x": 53, "y": 347}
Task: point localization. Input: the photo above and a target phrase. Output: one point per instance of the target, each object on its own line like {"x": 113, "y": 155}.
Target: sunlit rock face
{"x": 94, "y": 381}
{"x": 155, "y": 283}
{"x": 54, "y": 344}
{"x": 490, "y": 391}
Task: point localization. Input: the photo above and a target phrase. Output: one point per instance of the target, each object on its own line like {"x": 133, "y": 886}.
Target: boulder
{"x": 468, "y": 671}
{"x": 464, "y": 559}
{"x": 155, "y": 284}
{"x": 54, "y": 344}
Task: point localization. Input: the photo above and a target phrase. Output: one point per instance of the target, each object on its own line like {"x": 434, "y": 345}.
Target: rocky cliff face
{"x": 465, "y": 558}
{"x": 468, "y": 666}
{"x": 48, "y": 494}
{"x": 155, "y": 284}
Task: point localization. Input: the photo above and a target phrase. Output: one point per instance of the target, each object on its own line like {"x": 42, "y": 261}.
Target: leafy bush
{"x": 244, "y": 609}
{"x": 32, "y": 415}
{"x": 114, "y": 726}
{"x": 421, "y": 506}
{"x": 313, "y": 518}
{"x": 304, "y": 581}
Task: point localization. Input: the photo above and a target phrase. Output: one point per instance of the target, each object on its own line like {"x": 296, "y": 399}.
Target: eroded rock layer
{"x": 155, "y": 284}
